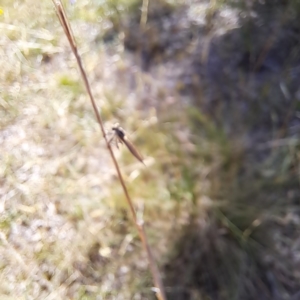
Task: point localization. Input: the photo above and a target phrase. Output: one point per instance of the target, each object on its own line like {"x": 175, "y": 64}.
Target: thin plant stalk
{"x": 144, "y": 15}
{"x": 160, "y": 293}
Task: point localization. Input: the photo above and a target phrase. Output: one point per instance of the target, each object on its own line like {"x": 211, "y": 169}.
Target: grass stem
{"x": 160, "y": 293}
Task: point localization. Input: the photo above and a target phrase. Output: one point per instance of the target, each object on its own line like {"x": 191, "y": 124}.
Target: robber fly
{"x": 121, "y": 137}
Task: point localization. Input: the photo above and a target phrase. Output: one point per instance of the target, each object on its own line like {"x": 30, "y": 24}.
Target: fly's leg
{"x": 116, "y": 140}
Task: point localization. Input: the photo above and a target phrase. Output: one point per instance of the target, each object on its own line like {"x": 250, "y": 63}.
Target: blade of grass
{"x": 160, "y": 293}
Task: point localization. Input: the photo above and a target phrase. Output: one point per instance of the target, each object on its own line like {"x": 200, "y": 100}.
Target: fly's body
{"x": 122, "y": 138}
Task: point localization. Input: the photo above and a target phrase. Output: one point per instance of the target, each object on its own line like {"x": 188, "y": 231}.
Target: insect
{"x": 121, "y": 137}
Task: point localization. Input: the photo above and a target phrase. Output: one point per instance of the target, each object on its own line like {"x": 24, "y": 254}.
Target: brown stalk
{"x": 144, "y": 15}
{"x": 160, "y": 293}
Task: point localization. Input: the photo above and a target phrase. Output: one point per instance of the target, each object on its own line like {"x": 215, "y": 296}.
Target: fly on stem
{"x": 121, "y": 137}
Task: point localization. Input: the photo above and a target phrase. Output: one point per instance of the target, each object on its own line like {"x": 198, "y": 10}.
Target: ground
{"x": 208, "y": 92}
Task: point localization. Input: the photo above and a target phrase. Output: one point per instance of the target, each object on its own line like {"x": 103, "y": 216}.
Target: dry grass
{"x": 138, "y": 221}
{"x": 64, "y": 228}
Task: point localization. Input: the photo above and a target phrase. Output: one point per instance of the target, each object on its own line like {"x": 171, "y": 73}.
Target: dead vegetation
{"x": 220, "y": 196}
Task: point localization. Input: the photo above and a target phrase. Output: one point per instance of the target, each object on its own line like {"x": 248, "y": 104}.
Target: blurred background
{"x": 208, "y": 91}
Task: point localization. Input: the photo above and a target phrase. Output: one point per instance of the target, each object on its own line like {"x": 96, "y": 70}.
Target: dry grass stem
{"x": 144, "y": 14}
{"x": 153, "y": 267}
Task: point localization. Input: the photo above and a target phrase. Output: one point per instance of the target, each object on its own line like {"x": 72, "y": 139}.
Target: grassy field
{"x": 221, "y": 209}
{"x": 65, "y": 230}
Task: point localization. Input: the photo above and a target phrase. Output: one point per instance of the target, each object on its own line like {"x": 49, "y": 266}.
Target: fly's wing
{"x": 116, "y": 140}
{"x": 132, "y": 149}
{"x": 122, "y": 138}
